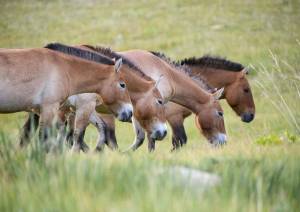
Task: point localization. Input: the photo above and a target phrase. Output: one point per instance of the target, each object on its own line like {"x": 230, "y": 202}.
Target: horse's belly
{"x": 15, "y": 103}
{"x": 16, "y": 99}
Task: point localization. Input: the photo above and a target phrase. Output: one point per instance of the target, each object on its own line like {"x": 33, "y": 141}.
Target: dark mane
{"x": 112, "y": 54}
{"x": 213, "y": 62}
{"x": 80, "y": 53}
{"x": 184, "y": 69}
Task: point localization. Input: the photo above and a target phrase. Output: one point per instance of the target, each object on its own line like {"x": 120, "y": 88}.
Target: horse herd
{"x": 66, "y": 88}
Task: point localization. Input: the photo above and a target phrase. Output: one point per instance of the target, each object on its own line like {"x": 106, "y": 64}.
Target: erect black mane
{"x": 184, "y": 69}
{"x": 112, "y": 54}
{"x": 213, "y": 62}
{"x": 84, "y": 54}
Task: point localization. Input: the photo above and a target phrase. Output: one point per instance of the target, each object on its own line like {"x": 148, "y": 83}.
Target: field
{"x": 259, "y": 167}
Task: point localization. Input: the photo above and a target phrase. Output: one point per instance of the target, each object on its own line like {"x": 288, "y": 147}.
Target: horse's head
{"x": 239, "y": 96}
{"x": 150, "y": 113}
{"x": 210, "y": 120}
{"x": 115, "y": 95}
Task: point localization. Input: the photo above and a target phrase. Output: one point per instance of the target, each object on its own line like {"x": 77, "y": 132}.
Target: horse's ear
{"x": 245, "y": 71}
{"x": 212, "y": 90}
{"x": 218, "y": 94}
{"x": 158, "y": 80}
{"x": 118, "y": 65}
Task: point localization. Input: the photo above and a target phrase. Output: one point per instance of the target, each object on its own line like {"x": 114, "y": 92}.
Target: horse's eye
{"x": 246, "y": 90}
{"x": 220, "y": 113}
{"x": 122, "y": 85}
{"x": 159, "y": 101}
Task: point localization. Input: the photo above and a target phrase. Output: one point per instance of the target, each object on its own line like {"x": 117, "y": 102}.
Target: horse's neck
{"x": 150, "y": 67}
{"x": 137, "y": 86}
{"x": 134, "y": 82}
{"x": 187, "y": 92}
{"x": 216, "y": 78}
{"x": 85, "y": 76}
{"x": 174, "y": 85}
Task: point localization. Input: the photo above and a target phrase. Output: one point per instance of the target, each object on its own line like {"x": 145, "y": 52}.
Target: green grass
{"x": 259, "y": 167}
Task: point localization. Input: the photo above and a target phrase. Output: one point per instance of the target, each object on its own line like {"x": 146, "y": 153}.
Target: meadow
{"x": 259, "y": 167}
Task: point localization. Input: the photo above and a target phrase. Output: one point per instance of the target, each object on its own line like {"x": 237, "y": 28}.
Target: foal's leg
{"x": 82, "y": 119}
{"x": 97, "y": 121}
{"x": 29, "y": 128}
{"x": 139, "y": 135}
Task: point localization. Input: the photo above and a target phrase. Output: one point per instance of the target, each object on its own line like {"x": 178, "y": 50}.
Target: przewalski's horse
{"x": 145, "y": 97}
{"x": 216, "y": 72}
{"x": 40, "y": 79}
{"x": 179, "y": 87}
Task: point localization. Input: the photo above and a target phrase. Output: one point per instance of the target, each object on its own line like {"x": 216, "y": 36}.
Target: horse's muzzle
{"x": 159, "y": 132}
{"x": 125, "y": 116}
{"x": 247, "y": 117}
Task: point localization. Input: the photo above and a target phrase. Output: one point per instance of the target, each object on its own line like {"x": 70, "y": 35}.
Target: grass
{"x": 259, "y": 166}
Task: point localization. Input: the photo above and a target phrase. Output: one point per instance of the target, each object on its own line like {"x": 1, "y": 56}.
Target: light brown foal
{"x": 40, "y": 79}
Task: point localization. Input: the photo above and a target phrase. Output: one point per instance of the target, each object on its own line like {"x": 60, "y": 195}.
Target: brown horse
{"x": 40, "y": 79}
{"x": 217, "y": 72}
{"x": 145, "y": 97}
{"x": 177, "y": 86}
{"x": 200, "y": 101}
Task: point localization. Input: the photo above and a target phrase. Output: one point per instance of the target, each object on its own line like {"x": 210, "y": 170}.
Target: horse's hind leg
{"x": 29, "y": 128}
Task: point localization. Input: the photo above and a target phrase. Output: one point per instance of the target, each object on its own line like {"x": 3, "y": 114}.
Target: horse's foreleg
{"x": 70, "y": 128}
{"x": 46, "y": 122}
{"x": 179, "y": 137}
{"x": 111, "y": 140}
{"x": 61, "y": 125}
{"x": 151, "y": 143}
{"x": 29, "y": 128}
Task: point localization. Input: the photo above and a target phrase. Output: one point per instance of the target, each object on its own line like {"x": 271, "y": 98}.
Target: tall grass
{"x": 280, "y": 84}
{"x": 254, "y": 177}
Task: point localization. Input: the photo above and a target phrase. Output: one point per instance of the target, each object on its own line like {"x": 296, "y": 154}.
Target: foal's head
{"x": 239, "y": 96}
{"x": 150, "y": 113}
{"x": 115, "y": 95}
{"x": 210, "y": 120}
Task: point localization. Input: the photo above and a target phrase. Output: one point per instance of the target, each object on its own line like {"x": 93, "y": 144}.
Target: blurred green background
{"x": 258, "y": 167}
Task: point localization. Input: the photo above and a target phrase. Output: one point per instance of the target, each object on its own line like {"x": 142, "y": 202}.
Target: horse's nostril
{"x": 157, "y": 134}
{"x": 164, "y": 133}
{"x": 130, "y": 114}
